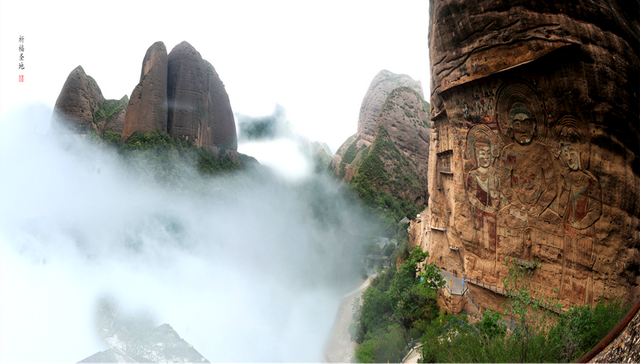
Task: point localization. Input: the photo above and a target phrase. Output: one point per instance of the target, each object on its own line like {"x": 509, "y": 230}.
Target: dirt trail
{"x": 340, "y": 348}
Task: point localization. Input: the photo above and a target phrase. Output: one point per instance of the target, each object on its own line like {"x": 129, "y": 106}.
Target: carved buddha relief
{"x": 581, "y": 197}
{"x": 580, "y": 206}
{"x": 482, "y": 189}
{"x": 527, "y": 176}
{"x": 530, "y": 199}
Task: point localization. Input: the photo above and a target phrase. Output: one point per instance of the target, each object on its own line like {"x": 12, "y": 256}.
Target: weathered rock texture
{"x": 534, "y": 153}
{"x": 180, "y": 94}
{"x": 452, "y": 304}
{"x": 160, "y": 345}
{"x": 381, "y": 86}
{"x": 187, "y": 94}
{"x": 147, "y": 109}
{"x": 81, "y": 108}
{"x": 135, "y": 339}
{"x": 392, "y": 152}
{"x": 220, "y": 122}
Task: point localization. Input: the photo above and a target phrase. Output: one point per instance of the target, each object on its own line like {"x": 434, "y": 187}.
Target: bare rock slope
{"x": 160, "y": 345}
{"x": 81, "y": 108}
{"x": 187, "y": 94}
{"x": 392, "y": 152}
{"x": 147, "y": 109}
{"x": 381, "y": 86}
{"x": 199, "y": 107}
{"x": 178, "y": 93}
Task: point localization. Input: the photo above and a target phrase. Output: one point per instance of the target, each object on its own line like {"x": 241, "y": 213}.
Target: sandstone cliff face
{"x": 397, "y": 160}
{"x": 79, "y": 99}
{"x": 391, "y": 153}
{"x": 187, "y": 94}
{"x": 349, "y": 156}
{"x": 534, "y": 150}
{"x": 147, "y": 109}
{"x": 220, "y": 121}
{"x": 179, "y": 93}
{"x": 81, "y": 108}
{"x": 381, "y": 85}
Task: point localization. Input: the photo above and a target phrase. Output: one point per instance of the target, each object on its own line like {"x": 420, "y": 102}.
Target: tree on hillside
{"x": 536, "y": 336}
{"x": 398, "y": 306}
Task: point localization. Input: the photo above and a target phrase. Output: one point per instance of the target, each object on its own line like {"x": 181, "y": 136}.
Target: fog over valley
{"x": 246, "y": 266}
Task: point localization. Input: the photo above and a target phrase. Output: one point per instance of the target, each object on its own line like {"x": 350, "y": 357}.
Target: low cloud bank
{"x": 244, "y": 268}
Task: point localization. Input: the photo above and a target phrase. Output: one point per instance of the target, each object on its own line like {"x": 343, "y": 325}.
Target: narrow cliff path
{"x": 340, "y": 348}
{"x": 453, "y": 283}
{"x": 414, "y": 355}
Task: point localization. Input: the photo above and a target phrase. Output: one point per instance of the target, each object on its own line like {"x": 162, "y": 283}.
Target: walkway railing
{"x": 490, "y": 287}
{"x": 410, "y": 346}
{"x": 457, "y": 289}
{"x": 452, "y": 291}
{"x": 479, "y": 316}
{"x": 505, "y": 292}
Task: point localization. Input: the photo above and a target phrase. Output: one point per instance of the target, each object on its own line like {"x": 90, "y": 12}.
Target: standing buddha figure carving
{"x": 527, "y": 177}
{"x": 482, "y": 190}
{"x": 580, "y": 205}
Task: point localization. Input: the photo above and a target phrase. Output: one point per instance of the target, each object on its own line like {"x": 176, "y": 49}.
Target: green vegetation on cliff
{"x": 351, "y": 152}
{"x": 385, "y": 156}
{"x": 390, "y": 183}
{"x": 321, "y": 157}
{"x": 170, "y": 162}
{"x": 382, "y": 206}
{"x": 376, "y": 186}
{"x": 110, "y": 108}
{"x": 398, "y": 306}
{"x": 537, "y": 336}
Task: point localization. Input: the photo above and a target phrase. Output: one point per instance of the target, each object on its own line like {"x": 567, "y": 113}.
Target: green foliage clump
{"x": 164, "y": 158}
{"x": 109, "y": 108}
{"x": 581, "y": 328}
{"x": 398, "y": 304}
{"x": 157, "y": 158}
{"x": 372, "y": 248}
{"x": 382, "y": 206}
{"x": 351, "y": 152}
{"x": 383, "y": 156}
{"x": 536, "y": 336}
{"x": 108, "y": 139}
{"x": 388, "y": 250}
{"x": 321, "y": 161}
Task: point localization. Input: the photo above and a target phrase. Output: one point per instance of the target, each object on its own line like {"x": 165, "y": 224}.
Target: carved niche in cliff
{"x": 529, "y": 192}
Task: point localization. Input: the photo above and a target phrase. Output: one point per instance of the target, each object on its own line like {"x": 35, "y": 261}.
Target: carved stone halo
{"x": 572, "y": 122}
{"x": 519, "y": 91}
{"x": 481, "y": 132}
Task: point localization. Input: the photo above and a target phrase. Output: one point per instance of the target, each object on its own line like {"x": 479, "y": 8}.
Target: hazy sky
{"x": 315, "y": 58}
